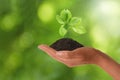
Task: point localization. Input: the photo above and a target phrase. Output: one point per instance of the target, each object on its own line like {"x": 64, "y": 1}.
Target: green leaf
{"x": 62, "y": 31}
{"x": 75, "y": 21}
{"x": 76, "y": 25}
{"x": 65, "y": 15}
{"x": 69, "y": 14}
{"x": 79, "y": 29}
{"x": 59, "y": 19}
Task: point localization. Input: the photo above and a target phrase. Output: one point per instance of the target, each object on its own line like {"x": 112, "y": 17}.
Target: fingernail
{"x": 41, "y": 47}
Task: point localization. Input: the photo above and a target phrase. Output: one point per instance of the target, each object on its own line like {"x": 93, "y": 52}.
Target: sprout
{"x": 68, "y": 22}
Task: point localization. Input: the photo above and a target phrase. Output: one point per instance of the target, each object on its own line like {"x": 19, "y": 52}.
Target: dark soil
{"x": 66, "y": 44}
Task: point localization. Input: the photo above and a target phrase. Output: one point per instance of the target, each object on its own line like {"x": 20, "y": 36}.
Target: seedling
{"x": 68, "y": 24}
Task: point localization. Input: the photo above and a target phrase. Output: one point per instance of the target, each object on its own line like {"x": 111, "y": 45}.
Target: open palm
{"x": 79, "y": 56}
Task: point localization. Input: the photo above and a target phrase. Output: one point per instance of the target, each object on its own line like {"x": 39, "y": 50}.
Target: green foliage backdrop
{"x": 24, "y": 24}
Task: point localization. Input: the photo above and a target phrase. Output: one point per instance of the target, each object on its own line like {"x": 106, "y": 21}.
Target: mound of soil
{"x": 66, "y": 44}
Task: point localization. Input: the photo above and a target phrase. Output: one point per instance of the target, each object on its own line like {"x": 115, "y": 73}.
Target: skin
{"x": 85, "y": 55}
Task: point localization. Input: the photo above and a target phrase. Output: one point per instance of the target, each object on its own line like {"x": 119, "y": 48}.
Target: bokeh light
{"x": 46, "y": 12}
{"x": 100, "y": 38}
{"x": 108, "y": 7}
{"x": 9, "y": 22}
{"x": 105, "y": 21}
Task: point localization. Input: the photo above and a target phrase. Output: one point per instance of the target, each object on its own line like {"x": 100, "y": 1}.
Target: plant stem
{"x": 67, "y": 35}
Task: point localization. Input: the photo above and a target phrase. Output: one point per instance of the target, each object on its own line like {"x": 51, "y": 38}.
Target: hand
{"x": 85, "y": 55}
{"x": 79, "y": 56}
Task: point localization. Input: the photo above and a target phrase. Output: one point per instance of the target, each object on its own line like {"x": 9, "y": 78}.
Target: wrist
{"x": 102, "y": 59}
{"x": 98, "y": 57}
{"x": 106, "y": 63}
{"x": 109, "y": 65}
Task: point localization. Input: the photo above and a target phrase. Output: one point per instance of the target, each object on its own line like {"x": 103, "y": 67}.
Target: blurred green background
{"x": 24, "y": 24}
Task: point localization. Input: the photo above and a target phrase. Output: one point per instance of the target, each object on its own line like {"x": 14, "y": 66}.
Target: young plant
{"x": 69, "y": 23}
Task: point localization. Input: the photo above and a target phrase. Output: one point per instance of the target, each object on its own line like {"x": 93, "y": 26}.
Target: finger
{"x": 50, "y": 51}
{"x": 62, "y": 54}
{"x": 65, "y": 54}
